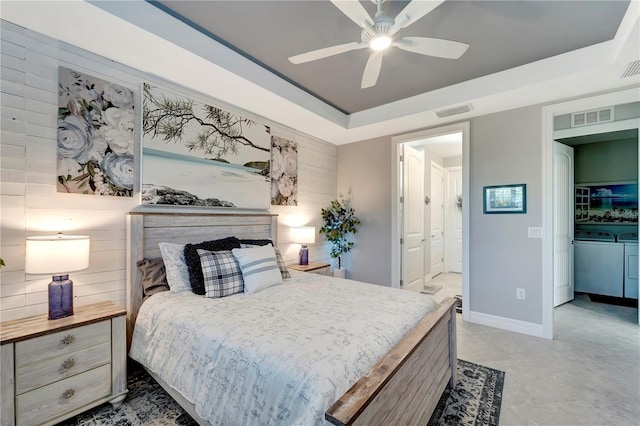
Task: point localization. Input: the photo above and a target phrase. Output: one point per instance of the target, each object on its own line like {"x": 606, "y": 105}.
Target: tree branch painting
{"x": 218, "y": 158}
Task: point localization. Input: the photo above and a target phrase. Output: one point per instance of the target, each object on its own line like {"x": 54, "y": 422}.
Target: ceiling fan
{"x": 378, "y": 34}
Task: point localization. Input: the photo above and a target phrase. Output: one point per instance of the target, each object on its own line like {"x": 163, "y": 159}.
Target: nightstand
{"x": 320, "y": 268}
{"x": 55, "y": 369}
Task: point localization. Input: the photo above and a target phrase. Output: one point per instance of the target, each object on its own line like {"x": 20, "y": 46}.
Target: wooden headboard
{"x": 146, "y": 229}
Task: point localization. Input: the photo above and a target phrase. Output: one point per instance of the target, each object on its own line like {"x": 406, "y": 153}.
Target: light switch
{"x": 535, "y": 232}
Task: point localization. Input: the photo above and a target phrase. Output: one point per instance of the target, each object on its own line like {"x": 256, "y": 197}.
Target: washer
{"x": 630, "y": 241}
{"x": 598, "y": 263}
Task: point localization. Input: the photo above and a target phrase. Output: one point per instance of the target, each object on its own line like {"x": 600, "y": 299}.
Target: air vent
{"x": 632, "y": 70}
{"x": 454, "y": 111}
{"x": 596, "y": 116}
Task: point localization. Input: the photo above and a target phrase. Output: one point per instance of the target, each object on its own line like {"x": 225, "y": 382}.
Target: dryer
{"x": 630, "y": 242}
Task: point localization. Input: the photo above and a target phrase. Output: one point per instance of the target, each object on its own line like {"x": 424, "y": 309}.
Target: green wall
{"x": 609, "y": 161}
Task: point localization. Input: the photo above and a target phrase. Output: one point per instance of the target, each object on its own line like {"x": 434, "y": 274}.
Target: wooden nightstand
{"x": 55, "y": 369}
{"x": 313, "y": 267}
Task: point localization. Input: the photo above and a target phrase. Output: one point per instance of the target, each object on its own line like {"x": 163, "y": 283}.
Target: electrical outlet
{"x": 520, "y": 294}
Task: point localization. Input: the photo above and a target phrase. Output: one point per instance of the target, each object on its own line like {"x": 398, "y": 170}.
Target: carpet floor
{"x": 475, "y": 401}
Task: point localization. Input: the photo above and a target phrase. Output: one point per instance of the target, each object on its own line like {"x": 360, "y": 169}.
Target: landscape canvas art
{"x": 95, "y": 136}
{"x": 607, "y": 203}
{"x": 195, "y": 154}
{"x": 284, "y": 172}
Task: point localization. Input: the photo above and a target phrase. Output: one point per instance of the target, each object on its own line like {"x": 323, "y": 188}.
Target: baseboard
{"x": 509, "y": 324}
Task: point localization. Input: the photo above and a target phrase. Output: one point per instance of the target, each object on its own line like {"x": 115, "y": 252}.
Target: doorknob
{"x": 427, "y": 200}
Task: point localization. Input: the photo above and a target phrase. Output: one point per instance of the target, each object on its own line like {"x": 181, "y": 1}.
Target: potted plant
{"x": 339, "y": 221}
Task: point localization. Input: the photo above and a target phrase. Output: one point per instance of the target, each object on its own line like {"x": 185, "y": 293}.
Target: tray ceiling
{"x": 502, "y": 34}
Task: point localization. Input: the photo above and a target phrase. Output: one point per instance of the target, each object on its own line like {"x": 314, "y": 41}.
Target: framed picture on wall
{"x": 612, "y": 202}
{"x": 501, "y": 199}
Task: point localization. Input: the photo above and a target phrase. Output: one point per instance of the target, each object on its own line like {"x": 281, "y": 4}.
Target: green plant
{"x": 339, "y": 221}
{"x": 1, "y": 263}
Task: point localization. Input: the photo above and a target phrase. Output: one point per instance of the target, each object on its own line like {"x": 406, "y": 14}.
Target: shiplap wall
{"x": 31, "y": 205}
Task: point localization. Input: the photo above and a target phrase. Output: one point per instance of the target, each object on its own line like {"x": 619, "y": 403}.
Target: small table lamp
{"x": 304, "y": 235}
{"x": 58, "y": 255}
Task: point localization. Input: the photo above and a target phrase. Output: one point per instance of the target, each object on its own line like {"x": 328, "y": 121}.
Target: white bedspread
{"x": 280, "y": 356}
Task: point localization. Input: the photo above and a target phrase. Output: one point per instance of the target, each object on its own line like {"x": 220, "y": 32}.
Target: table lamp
{"x": 304, "y": 235}
{"x": 58, "y": 255}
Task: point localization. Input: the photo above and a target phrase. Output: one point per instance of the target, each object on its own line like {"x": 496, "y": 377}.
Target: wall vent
{"x": 596, "y": 116}
{"x": 632, "y": 70}
{"x": 454, "y": 111}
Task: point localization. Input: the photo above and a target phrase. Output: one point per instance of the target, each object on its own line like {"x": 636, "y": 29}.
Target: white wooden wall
{"x": 30, "y": 204}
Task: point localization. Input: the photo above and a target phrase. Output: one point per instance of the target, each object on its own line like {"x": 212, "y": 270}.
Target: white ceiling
{"x": 144, "y": 37}
{"x": 445, "y": 146}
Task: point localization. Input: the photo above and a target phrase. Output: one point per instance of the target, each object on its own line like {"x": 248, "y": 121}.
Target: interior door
{"x": 413, "y": 219}
{"x": 453, "y": 221}
{"x": 563, "y": 249}
{"x": 437, "y": 220}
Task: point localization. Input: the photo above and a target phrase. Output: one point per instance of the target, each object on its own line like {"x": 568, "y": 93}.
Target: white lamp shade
{"x": 57, "y": 254}
{"x": 304, "y": 235}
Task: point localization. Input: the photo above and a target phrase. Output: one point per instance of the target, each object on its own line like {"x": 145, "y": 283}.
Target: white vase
{"x": 340, "y": 273}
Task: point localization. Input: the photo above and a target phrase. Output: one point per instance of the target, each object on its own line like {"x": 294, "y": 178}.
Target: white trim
{"x": 548, "y": 113}
{"x": 595, "y": 129}
{"x": 463, "y": 127}
{"x": 517, "y": 326}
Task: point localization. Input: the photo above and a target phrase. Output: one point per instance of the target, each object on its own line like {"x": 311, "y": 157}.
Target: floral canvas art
{"x": 284, "y": 172}
{"x": 196, "y": 154}
{"x": 95, "y": 136}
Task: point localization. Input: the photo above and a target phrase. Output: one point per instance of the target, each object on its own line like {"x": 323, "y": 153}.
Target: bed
{"x": 397, "y": 378}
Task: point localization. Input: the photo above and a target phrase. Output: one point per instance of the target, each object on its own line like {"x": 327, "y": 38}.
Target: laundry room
{"x": 605, "y": 212}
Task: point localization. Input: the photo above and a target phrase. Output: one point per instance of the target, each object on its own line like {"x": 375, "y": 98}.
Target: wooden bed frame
{"x": 402, "y": 388}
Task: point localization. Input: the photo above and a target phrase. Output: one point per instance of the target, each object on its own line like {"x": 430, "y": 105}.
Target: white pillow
{"x": 176, "y": 266}
{"x": 259, "y": 268}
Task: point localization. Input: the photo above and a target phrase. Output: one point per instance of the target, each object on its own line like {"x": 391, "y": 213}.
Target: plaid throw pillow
{"x": 222, "y": 274}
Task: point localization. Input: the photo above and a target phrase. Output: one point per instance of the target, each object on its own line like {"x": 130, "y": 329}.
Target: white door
{"x": 413, "y": 219}
{"x": 437, "y": 221}
{"x": 563, "y": 223}
{"x": 453, "y": 220}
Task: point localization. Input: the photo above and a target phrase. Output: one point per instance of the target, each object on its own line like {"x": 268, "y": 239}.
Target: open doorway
{"x": 428, "y": 212}
{"x": 552, "y": 115}
{"x": 597, "y": 218}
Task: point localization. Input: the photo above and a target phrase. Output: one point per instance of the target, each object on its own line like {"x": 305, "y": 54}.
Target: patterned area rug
{"x": 475, "y": 401}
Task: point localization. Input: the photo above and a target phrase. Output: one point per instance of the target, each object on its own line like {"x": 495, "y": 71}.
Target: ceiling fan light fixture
{"x": 380, "y": 42}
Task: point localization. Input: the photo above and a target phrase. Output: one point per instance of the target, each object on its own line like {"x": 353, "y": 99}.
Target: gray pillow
{"x": 154, "y": 276}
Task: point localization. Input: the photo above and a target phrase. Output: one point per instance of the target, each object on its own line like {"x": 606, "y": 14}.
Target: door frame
{"x": 548, "y": 114}
{"x": 396, "y": 231}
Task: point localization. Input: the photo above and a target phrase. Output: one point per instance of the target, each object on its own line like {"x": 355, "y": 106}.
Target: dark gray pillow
{"x": 192, "y": 258}
{"x": 154, "y": 276}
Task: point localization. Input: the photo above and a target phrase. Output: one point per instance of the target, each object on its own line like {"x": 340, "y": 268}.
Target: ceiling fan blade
{"x": 354, "y": 11}
{"x": 432, "y": 46}
{"x": 412, "y": 12}
{"x": 372, "y": 70}
{"x": 326, "y": 52}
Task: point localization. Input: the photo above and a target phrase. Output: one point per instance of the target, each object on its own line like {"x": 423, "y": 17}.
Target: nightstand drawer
{"x": 64, "y": 396}
{"x": 32, "y": 376}
{"x": 61, "y": 343}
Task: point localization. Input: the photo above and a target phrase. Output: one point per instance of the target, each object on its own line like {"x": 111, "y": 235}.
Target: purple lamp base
{"x": 304, "y": 255}
{"x": 60, "y": 297}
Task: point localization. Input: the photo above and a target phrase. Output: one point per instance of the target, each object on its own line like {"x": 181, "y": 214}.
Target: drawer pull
{"x": 68, "y": 363}
{"x": 69, "y": 339}
{"x": 68, "y": 393}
